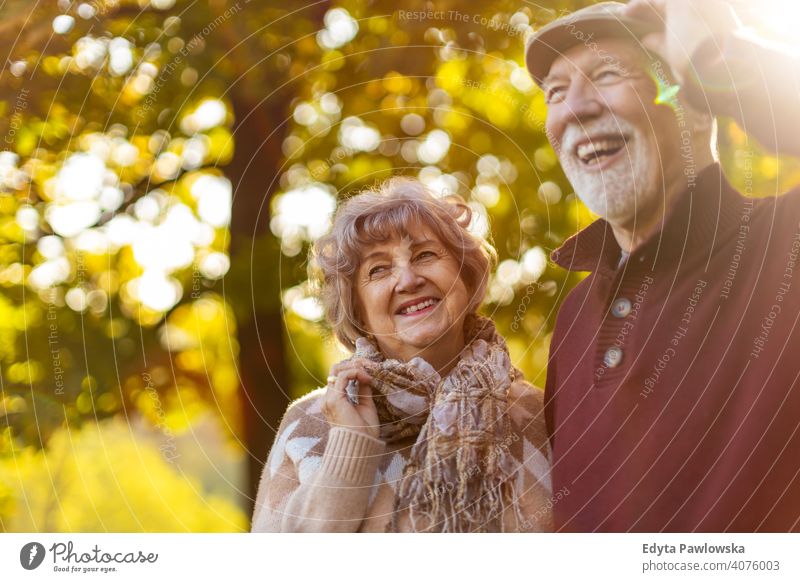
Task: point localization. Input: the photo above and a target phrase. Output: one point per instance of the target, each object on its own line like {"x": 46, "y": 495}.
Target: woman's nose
{"x": 408, "y": 279}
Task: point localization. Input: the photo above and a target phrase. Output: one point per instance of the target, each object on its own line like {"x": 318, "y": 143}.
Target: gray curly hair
{"x": 378, "y": 215}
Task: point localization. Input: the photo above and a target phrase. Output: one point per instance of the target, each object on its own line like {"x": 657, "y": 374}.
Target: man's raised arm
{"x": 725, "y": 68}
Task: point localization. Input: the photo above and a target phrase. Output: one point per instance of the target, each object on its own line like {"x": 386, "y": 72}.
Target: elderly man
{"x": 672, "y": 395}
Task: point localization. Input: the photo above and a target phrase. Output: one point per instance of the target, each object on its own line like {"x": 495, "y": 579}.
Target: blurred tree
{"x": 437, "y": 90}
{"x": 434, "y": 90}
{"x": 117, "y": 118}
{"x": 166, "y": 164}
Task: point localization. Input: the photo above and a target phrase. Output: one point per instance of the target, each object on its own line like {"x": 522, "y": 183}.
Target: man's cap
{"x": 583, "y": 26}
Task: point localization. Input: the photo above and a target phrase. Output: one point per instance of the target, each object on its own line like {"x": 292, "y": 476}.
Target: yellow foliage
{"x": 333, "y": 60}
{"x": 26, "y": 372}
{"x": 480, "y": 142}
{"x": 450, "y": 76}
{"x": 220, "y": 145}
{"x": 737, "y": 136}
{"x": 112, "y": 477}
{"x": 579, "y": 216}
{"x": 455, "y": 120}
{"x": 366, "y": 167}
{"x": 769, "y": 167}
{"x": 378, "y": 24}
{"x": 500, "y": 114}
{"x": 8, "y": 329}
{"x": 399, "y": 38}
{"x": 202, "y": 336}
{"x": 396, "y": 83}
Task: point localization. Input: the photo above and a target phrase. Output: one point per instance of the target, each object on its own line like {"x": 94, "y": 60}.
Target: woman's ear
{"x": 358, "y": 322}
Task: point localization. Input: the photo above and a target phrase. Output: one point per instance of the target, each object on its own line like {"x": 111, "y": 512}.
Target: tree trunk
{"x": 262, "y": 362}
{"x": 259, "y": 131}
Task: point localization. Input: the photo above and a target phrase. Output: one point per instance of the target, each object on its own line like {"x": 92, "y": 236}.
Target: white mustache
{"x": 576, "y": 132}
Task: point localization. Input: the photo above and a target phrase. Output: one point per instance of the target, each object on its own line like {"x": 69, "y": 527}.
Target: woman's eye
{"x": 376, "y": 270}
{"x": 425, "y": 255}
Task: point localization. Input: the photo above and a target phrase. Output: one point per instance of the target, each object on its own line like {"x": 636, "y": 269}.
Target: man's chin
{"x": 618, "y": 212}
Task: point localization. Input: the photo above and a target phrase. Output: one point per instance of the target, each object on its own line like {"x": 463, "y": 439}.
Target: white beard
{"x": 618, "y": 192}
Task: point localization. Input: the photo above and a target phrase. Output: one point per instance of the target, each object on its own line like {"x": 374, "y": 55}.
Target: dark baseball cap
{"x": 593, "y": 22}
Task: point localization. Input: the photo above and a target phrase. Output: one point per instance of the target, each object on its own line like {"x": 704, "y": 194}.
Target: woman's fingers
{"x": 339, "y": 409}
{"x": 357, "y": 363}
{"x": 352, "y": 370}
{"x": 364, "y": 391}
{"x": 346, "y": 374}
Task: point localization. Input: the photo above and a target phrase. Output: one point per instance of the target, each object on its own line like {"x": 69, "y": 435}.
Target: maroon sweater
{"x": 672, "y": 399}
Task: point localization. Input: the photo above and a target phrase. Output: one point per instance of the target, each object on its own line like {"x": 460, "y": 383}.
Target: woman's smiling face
{"x": 411, "y": 297}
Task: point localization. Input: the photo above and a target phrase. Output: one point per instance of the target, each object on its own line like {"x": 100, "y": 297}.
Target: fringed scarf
{"x": 459, "y": 477}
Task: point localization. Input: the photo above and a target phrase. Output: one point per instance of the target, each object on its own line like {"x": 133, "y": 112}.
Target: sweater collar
{"x": 700, "y": 218}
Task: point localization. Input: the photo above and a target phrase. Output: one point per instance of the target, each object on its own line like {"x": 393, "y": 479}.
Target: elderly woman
{"x": 428, "y": 426}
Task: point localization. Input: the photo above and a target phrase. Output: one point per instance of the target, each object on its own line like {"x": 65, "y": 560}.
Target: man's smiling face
{"x": 618, "y": 148}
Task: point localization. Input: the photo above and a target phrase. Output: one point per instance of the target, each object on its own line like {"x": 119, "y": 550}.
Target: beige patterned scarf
{"x": 459, "y": 477}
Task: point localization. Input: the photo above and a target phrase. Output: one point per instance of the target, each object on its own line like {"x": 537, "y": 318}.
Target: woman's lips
{"x": 419, "y": 307}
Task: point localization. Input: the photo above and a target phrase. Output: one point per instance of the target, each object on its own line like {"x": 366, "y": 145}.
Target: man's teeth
{"x": 418, "y": 306}
{"x": 595, "y": 149}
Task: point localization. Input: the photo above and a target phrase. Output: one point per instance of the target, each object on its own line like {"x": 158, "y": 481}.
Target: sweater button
{"x": 613, "y": 357}
{"x": 621, "y": 307}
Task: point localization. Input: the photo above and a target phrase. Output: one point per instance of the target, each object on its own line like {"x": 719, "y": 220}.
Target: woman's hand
{"x": 337, "y": 408}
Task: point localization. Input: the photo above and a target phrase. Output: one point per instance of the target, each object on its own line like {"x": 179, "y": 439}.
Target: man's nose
{"x": 407, "y": 279}
{"x": 583, "y": 101}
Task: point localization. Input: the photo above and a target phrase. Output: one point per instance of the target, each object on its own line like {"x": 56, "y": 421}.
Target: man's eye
{"x": 607, "y": 75}
{"x": 554, "y": 94}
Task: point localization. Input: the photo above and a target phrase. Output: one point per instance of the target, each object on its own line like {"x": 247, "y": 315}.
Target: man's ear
{"x": 702, "y": 122}
{"x": 704, "y": 127}
{"x": 698, "y": 120}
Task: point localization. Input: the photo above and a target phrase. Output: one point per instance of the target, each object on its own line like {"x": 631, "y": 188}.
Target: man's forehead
{"x": 624, "y": 54}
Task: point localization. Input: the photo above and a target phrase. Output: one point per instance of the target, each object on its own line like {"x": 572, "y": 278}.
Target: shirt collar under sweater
{"x": 704, "y": 213}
